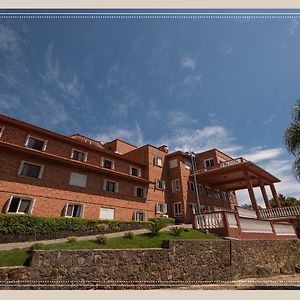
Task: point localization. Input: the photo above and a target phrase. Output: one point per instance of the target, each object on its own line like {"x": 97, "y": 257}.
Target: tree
{"x": 285, "y": 201}
{"x": 292, "y": 138}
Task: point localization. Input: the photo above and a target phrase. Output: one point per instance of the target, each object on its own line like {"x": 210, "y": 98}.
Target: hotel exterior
{"x": 49, "y": 174}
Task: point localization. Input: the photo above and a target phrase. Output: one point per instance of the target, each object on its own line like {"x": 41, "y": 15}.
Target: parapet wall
{"x": 179, "y": 262}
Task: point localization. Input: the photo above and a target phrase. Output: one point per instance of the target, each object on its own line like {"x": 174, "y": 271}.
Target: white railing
{"x": 255, "y": 225}
{"x": 235, "y": 161}
{"x": 231, "y": 219}
{"x": 284, "y": 229}
{"x": 247, "y": 213}
{"x": 280, "y": 212}
{"x": 209, "y": 221}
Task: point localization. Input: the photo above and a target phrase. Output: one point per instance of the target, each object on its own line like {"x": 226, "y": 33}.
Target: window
{"x": 194, "y": 208}
{"x": 191, "y": 186}
{"x": 20, "y": 205}
{"x": 1, "y": 130}
{"x": 110, "y": 186}
{"x": 139, "y": 192}
{"x": 77, "y": 179}
{"x": 175, "y": 185}
{"x": 209, "y": 163}
{"x": 188, "y": 165}
{"x": 209, "y": 191}
{"x": 107, "y": 163}
{"x": 158, "y": 161}
{"x": 35, "y": 143}
{"x": 73, "y": 210}
{"x": 30, "y": 170}
{"x": 79, "y": 155}
{"x": 177, "y": 209}
{"x": 139, "y": 216}
{"x": 201, "y": 189}
{"x": 135, "y": 171}
{"x": 160, "y": 184}
{"x": 173, "y": 163}
{"x": 107, "y": 213}
{"x": 161, "y": 208}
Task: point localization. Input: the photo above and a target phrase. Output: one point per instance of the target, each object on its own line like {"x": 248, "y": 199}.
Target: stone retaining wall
{"x": 179, "y": 263}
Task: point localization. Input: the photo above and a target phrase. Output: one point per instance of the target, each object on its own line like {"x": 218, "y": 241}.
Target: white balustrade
{"x": 255, "y": 225}
{"x": 284, "y": 229}
{"x": 280, "y": 212}
{"x": 209, "y": 221}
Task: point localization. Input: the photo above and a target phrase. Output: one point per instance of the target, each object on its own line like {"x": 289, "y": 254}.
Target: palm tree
{"x": 292, "y": 138}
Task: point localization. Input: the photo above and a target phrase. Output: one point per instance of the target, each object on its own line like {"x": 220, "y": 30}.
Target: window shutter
{"x": 41, "y": 171}
{"x": 156, "y": 183}
{"x": 165, "y": 209}
{"x": 85, "y": 157}
{"x": 31, "y": 206}
{"x": 64, "y": 211}
{"x": 157, "y": 207}
{"x": 5, "y": 209}
{"x": 134, "y": 216}
{"x": 155, "y": 160}
{"x": 139, "y": 172}
{"x": 45, "y": 145}
{"x": 27, "y": 141}
{"x": 163, "y": 185}
{"x": 102, "y": 162}
{"x": 20, "y": 167}
{"x": 135, "y": 191}
{"x": 82, "y": 211}
{"x": 104, "y": 185}
{"x": 116, "y": 187}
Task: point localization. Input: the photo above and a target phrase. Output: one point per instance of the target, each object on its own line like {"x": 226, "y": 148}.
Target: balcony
{"x": 280, "y": 212}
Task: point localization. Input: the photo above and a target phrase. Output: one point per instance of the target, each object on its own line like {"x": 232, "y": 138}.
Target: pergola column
{"x": 264, "y": 193}
{"x": 275, "y": 196}
{"x": 251, "y": 192}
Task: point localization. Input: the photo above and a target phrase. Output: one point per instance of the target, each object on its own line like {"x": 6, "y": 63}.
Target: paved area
{"x": 8, "y": 246}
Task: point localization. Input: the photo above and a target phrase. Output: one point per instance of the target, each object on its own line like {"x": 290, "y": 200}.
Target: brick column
{"x": 275, "y": 196}
{"x": 264, "y": 193}
{"x": 251, "y": 192}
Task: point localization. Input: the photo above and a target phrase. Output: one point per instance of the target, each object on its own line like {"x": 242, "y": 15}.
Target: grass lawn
{"x": 17, "y": 257}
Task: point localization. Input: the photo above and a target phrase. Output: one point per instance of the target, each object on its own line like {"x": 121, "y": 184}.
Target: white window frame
{"x": 144, "y": 192}
{"x": 194, "y": 208}
{"x": 1, "y": 130}
{"x": 173, "y": 163}
{"x": 161, "y": 208}
{"x": 21, "y": 198}
{"x": 178, "y": 205}
{"x": 139, "y": 212}
{"x": 36, "y": 138}
{"x": 84, "y": 157}
{"x": 209, "y": 159}
{"x": 30, "y": 163}
{"x": 190, "y": 184}
{"x": 104, "y": 207}
{"x": 158, "y": 161}
{"x": 74, "y": 203}
{"x": 159, "y": 182}
{"x": 112, "y": 163}
{"x": 175, "y": 186}
{"x": 116, "y": 189}
{"x": 82, "y": 186}
{"x": 138, "y": 169}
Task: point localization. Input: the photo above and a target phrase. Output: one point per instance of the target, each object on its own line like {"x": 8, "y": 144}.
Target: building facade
{"x": 49, "y": 174}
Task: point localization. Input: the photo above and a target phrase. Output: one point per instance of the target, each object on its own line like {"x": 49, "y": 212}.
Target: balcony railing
{"x": 280, "y": 212}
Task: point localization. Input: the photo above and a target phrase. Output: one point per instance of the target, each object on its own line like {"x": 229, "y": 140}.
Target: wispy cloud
{"x": 9, "y": 102}
{"x": 132, "y": 135}
{"x": 179, "y": 118}
{"x": 293, "y": 26}
{"x": 187, "y": 63}
{"x": 226, "y": 49}
{"x": 65, "y": 80}
{"x": 261, "y": 155}
{"x": 269, "y": 119}
{"x": 9, "y": 39}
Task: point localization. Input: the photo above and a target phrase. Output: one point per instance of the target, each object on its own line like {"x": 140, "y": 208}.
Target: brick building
{"x": 49, "y": 174}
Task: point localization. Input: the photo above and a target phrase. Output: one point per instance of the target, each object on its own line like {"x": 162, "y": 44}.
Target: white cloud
{"x": 261, "y": 155}
{"x": 9, "y": 39}
{"x": 178, "y": 118}
{"x": 9, "y": 102}
{"x": 270, "y": 119}
{"x": 130, "y": 135}
{"x": 293, "y": 26}
{"x": 188, "y": 63}
{"x": 193, "y": 80}
{"x": 65, "y": 80}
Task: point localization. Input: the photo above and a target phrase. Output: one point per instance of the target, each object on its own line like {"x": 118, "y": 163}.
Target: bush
{"x": 72, "y": 238}
{"x": 101, "y": 239}
{"x": 36, "y": 246}
{"x": 129, "y": 235}
{"x": 176, "y": 231}
{"x": 165, "y": 221}
{"x": 155, "y": 227}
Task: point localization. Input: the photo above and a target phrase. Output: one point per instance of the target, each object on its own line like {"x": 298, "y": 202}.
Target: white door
{"x": 107, "y": 213}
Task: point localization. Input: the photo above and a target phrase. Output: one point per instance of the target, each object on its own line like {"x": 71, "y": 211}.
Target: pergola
{"x": 240, "y": 174}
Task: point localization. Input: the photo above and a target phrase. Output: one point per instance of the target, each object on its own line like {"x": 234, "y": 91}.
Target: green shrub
{"x": 36, "y": 246}
{"x": 164, "y": 221}
{"x": 129, "y": 235}
{"x": 155, "y": 227}
{"x": 101, "y": 239}
{"x": 177, "y": 231}
{"x": 72, "y": 238}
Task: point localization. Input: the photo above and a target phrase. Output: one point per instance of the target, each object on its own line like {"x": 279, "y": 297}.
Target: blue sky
{"x": 193, "y": 84}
